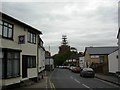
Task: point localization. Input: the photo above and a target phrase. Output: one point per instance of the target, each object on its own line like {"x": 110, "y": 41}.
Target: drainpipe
{"x": 37, "y": 58}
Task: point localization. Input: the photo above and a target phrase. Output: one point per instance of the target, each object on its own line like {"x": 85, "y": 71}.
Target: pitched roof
{"x": 18, "y": 21}
{"x": 101, "y": 50}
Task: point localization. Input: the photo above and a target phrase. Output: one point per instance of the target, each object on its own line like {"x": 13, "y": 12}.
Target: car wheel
{"x": 82, "y": 75}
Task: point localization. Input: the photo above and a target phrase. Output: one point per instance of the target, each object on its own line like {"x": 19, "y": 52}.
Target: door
{"x": 24, "y": 66}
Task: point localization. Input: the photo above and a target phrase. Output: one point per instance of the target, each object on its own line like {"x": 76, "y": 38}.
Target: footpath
{"x": 109, "y": 78}
{"x": 43, "y": 84}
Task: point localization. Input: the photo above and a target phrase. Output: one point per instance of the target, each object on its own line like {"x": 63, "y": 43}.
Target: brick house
{"x": 97, "y": 57}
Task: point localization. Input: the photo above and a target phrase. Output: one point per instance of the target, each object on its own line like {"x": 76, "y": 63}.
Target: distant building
{"x": 97, "y": 57}
{"x": 41, "y": 57}
{"x": 49, "y": 62}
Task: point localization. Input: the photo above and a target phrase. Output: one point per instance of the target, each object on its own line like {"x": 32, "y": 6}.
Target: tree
{"x": 61, "y": 58}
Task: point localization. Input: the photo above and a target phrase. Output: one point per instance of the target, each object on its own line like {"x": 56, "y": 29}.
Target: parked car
{"x": 76, "y": 69}
{"x": 87, "y": 72}
{"x": 65, "y": 67}
{"x": 61, "y": 67}
{"x": 71, "y": 68}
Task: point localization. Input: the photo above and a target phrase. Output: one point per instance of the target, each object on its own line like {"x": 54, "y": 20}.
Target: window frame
{"x": 9, "y": 29}
{"x": 31, "y": 37}
{"x": 102, "y": 59}
{"x": 31, "y": 61}
{"x": 12, "y": 59}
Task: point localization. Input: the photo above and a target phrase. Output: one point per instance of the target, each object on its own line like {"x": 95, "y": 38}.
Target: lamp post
{"x": 49, "y": 59}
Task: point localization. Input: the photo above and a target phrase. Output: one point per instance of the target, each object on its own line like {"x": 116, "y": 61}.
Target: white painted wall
{"x": 32, "y": 72}
{"x": 27, "y": 49}
{"x": 10, "y": 81}
{"x": 13, "y": 45}
{"x": 49, "y": 61}
{"x": 113, "y": 62}
{"x": 41, "y": 59}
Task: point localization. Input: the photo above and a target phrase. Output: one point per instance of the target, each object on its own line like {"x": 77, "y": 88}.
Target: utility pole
{"x": 49, "y": 59}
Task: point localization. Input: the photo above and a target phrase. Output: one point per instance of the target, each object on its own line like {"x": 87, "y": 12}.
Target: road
{"x": 64, "y": 78}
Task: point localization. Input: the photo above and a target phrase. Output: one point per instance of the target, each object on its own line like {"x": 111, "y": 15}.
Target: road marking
{"x": 46, "y": 82}
{"x": 77, "y": 81}
{"x": 50, "y": 83}
{"x": 53, "y": 86}
{"x": 87, "y": 86}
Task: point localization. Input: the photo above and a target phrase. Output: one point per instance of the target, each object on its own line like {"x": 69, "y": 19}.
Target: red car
{"x": 76, "y": 69}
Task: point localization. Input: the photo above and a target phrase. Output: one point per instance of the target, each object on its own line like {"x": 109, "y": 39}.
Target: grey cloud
{"x": 84, "y": 27}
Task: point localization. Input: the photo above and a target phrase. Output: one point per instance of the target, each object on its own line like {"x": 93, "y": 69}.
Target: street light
{"x": 49, "y": 59}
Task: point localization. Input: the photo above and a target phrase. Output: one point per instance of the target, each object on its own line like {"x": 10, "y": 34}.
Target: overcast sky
{"x": 85, "y": 22}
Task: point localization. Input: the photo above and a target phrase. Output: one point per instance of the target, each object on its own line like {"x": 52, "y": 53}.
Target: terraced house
{"x": 19, "y": 54}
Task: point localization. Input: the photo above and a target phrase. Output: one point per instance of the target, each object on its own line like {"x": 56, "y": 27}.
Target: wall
{"x": 95, "y": 60}
{"x": 105, "y": 65}
{"x": 27, "y": 49}
{"x": 49, "y": 61}
{"x": 87, "y": 58}
{"x": 41, "y": 58}
{"x": 113, "y": 62}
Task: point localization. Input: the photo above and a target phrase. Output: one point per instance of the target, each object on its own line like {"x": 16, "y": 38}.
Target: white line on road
{"x": 87, "y": 86}
{"x": 50, "y": 83}
{"x": 53, "y": 86}
{"x": 46, "y": 82}
{"x": 77, "y": 81}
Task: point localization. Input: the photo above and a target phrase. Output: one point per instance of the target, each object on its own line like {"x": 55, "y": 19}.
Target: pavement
{"x": 109, "y": 78}
{"x": 44, "y": 83}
